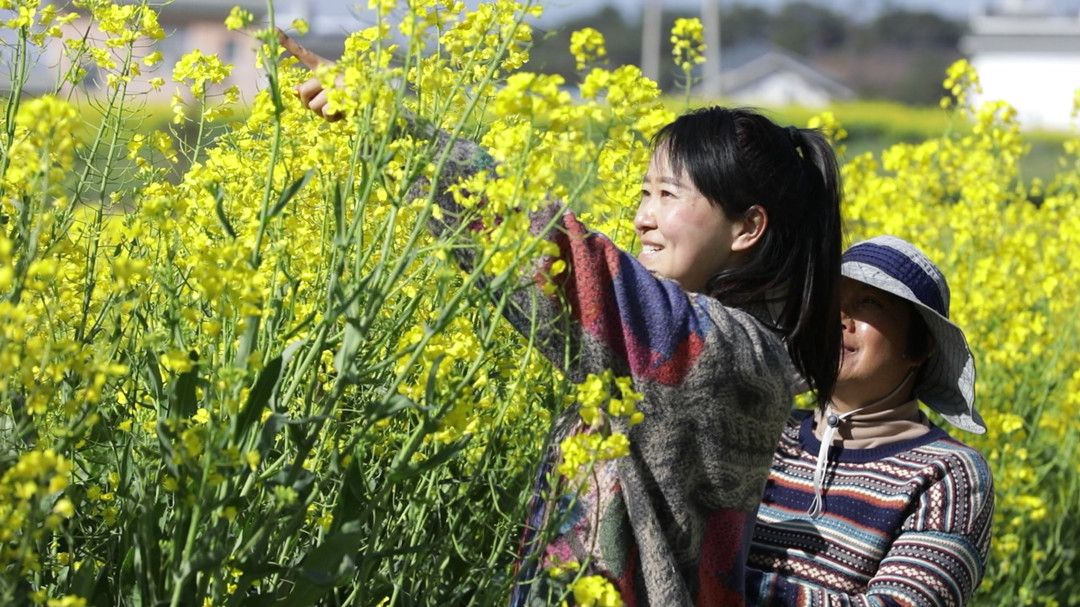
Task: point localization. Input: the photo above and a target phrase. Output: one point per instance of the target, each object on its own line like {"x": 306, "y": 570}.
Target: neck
{"x": 902, "y": 393}
{"x": 866, "y": 428}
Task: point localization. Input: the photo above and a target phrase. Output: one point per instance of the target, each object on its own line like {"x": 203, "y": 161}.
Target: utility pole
{"x": 651, "y": 29}
{"x": 712, "y": 87}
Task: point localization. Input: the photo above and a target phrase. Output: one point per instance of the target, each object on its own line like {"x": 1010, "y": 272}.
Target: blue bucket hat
{"x": 947, "y": 380}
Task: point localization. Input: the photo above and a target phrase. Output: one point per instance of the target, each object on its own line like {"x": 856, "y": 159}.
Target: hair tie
{"x": 795, "y": 134}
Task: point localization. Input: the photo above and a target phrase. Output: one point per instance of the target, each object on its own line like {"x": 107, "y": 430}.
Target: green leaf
{"x": 259, "y": 397}
{"x": 301, "y": 484}
{"x": 153, "y": 376}
{"x": 168, "y": 454}
{"x": 85, "y": 579}
{"x": 390, "y": 406}
{"x": 25, "y": 429}
{"x": 263, "y": 394}
{"x": 182, "y": 399}
{"x": 330, "y": 564}
{"x": 432, "y": 381}
{"x": 288, "y": 193}
{"x": 219, "y": 208}
{"x": 413, "y": 469}
{"x": 345, "y": 359}
{"x": 340, "y": 236}
{"x": 275, "y": 423}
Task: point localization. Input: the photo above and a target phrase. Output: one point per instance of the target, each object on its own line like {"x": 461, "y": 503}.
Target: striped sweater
{"x": 904, "y": 524}
{"x": 671, "y": 523}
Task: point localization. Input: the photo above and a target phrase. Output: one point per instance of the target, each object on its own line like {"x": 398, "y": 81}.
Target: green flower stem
{"x": 19, "y": 73}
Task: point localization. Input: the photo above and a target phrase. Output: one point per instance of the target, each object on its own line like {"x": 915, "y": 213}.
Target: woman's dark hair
{"x": 919, "y": 342}
{"x": 738, "y": 158}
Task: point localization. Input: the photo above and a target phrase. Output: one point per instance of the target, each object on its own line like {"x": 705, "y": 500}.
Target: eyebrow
{"x": 890, "y": 299}
{"x": 670, "y": 180}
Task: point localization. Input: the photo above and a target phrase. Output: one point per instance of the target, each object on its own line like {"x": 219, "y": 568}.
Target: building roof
{"x": 1026, "y": 32}
{"x": 748, "y": 63}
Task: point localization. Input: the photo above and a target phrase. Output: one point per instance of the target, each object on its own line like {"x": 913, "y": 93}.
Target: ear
{"x": 931, "y": 348}
{"x": 746, "y": 232}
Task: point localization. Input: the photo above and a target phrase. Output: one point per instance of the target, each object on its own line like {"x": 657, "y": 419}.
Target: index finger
{"x": 308, "y": 58}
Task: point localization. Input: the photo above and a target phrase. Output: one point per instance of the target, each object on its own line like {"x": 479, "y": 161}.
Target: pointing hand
{"x": 311, "y": 92}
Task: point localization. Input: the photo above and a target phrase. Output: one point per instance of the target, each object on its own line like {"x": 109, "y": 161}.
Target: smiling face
{"x": 683, "y": 236}
{"x": 875, "y": 342}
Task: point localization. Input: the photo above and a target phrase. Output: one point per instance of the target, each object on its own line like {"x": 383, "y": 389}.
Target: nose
{"x": 845, "y": 319}
{"x": 643, "y": 218}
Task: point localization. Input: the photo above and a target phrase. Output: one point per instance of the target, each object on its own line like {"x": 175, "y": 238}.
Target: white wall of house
{"x": 780, "y": 89}
{"x": 1041, "y": 86}
{"x": 1030, "y": 58}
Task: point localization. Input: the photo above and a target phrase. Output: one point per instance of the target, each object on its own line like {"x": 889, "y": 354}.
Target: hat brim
{"x": 947, "y": 380}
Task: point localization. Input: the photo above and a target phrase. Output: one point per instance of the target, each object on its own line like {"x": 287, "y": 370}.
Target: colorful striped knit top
{"x": 904, "y": 524}
{"x": 673, "y": 520}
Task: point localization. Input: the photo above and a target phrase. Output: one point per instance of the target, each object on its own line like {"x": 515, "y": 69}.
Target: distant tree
{"x": 551, "y": 47}
{"x": 915, "y": 29}
{"x": 808, "y": 28}
{"x": 898, "y": 55}
{"x": 921, "y": 84}
{"x": 741, "y": 23}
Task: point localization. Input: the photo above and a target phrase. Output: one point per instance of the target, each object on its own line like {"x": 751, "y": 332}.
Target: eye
{"x": 870, "y": 300}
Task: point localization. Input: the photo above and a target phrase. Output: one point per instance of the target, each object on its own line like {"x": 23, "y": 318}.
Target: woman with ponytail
{"x": 728, "y": 306}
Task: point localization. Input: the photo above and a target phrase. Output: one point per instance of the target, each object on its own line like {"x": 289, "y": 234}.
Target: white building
{"x": 1030, "y": 59}
{"x": 758, "y": 73}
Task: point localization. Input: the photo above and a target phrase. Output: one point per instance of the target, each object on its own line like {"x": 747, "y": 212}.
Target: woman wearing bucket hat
{"x": 867, "y": 501}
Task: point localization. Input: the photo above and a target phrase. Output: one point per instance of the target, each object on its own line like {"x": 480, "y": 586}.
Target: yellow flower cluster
{"x": 604, "y": 413}
{"x": 238, "y": 18}
{"x": 688, "y": 44}
{"x": 827, "y": 123}
{"x": 960, "y": 80}
{"x": 200, "y": 69}
{"x": 587, "y": 45}
{"x": 594, "y": 395}
{"x": 596, "y": 591}
{"x": 581, "y": 451}
{"x": 26, "y": 490}
{"x": 122, "y": 36}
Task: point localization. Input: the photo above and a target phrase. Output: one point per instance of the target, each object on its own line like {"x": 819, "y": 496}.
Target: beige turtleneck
{"x": 870, "y": 429}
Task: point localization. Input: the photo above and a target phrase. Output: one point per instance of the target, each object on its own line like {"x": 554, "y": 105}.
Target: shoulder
{"x": 741, "y": 328}
{"x": 956, "y": 458}
{"x": 793, "y": 425}
{"x": 790, "y": 446}
{"x": 961, "y": 495}
{"x": 743, "y": 346}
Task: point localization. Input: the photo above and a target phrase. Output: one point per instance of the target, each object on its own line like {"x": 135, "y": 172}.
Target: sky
{"x": 561, "y": 9}
{"x": 557, "y": 11}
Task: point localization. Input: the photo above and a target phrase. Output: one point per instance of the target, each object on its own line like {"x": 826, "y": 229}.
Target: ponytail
{"x": 813, "y": 307}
